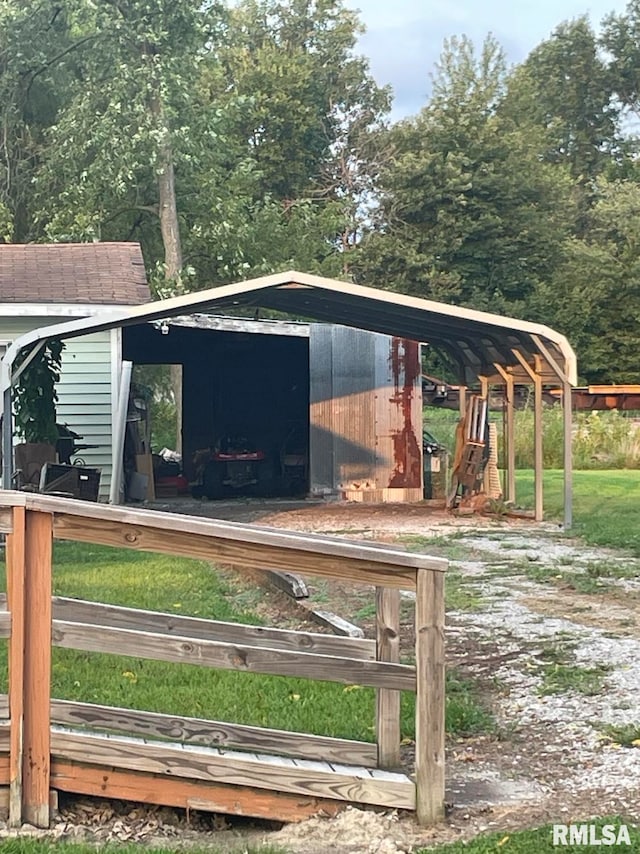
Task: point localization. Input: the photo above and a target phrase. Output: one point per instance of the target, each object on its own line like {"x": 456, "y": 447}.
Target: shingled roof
{"x": 84, "y": 273}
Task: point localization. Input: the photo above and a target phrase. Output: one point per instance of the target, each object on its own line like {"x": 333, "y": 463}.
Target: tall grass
{"x": 601, "y": 440}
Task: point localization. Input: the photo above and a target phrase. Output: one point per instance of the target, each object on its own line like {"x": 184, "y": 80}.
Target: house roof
{"x": 479, "y": 343}
{"x": 73, "y": 273}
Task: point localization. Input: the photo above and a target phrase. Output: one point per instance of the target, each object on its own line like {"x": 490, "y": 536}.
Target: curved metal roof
{"x": 477, "y": 342}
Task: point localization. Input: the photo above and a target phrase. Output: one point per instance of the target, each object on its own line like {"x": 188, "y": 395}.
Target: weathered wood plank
{"x": 4, "y": 707}
{"x": 302, "y": 777}
{"x": 337, "y": 624}
{"x": 430, "y": 699}
{"x": 6, "y": 520}
{"x": 5, "y": 624}
{"x": 293, "y": 585}
{"x": 4, "y": 773}
{"x": 116, "y": 616}
{"x": 186, "y": 650}
{"x": 15, "y": 598}
{"x": 212, "y": 733}
{"x": 388, "y": 702}
{"x": 5, "y": 739}
{"x": 172, "y": 523}
{"x": 37, "y": 669}
{"x": 263, "y": 547}
{"x": 171, "y": 792}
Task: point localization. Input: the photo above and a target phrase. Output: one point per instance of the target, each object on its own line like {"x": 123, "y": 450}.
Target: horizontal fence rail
{"x": 196, "y": 763}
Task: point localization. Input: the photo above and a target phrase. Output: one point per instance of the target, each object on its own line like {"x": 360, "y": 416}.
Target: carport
{"x": 485, "y": 349}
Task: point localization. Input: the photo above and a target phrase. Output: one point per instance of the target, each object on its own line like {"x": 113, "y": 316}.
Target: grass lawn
{"x": 539, "y": 841}
{"x": 605, "y": 504}
{"x": 177, "y": 585}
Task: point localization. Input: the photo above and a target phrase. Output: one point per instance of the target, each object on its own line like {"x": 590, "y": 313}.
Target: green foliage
{"x": 601, "y": 440}
{"x": 564, "y": 90}
{"x": 254, "y": 121}
{"x": 468, "y": 211}
{"x": 35, "y": 394}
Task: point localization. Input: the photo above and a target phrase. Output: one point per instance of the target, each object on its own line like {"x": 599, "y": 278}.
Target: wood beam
{"x": 536, "y": 379}
{"x": 430, "y": 699}
{"x": 509, "y": 434}
{"x": 387, "y": 701}
{"x": 568, "y": 431}
{"x": 211, "y": 797}
{"x": 16, "y": 567}
{"x": 37, "y": 669}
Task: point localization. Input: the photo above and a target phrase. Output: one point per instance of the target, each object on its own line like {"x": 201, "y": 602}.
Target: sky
{"x": 404, "y": 37}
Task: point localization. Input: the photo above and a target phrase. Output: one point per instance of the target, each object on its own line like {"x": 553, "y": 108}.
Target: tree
{"x": 469, "y": 214}
{"x": 564, "y": 89}
{"x": 115, "y": 145}
{"x": 302, "y": 112}
{"x": 36, "y": 49}
{"x": 594, "y": 295}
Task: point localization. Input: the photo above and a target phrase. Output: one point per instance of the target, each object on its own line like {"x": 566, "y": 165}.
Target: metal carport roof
{"x": 484, "y": 347}
{"x": 475, "y": 341}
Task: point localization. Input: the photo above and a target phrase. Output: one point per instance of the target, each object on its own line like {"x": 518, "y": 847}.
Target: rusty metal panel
{"x": 399, "y": 415}
{"x": 365, "y": 415}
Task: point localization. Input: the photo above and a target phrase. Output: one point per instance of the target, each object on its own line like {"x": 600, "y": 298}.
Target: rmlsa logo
{"x": 591, "y": 834}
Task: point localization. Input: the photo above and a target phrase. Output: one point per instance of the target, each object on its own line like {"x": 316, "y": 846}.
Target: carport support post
{"x": 462, "y": 400}
{"x": 536, "y": 379}
{"x": 509, "y": 434}
{"x": 568, "y": 455}
{"x": 567, "y": 404}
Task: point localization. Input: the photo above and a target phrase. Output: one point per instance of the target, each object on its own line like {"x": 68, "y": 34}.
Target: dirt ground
{"x": 531, "y": 605}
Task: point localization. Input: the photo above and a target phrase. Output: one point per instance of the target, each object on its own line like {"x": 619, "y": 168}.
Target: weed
{"x": 465, "y": 715}
{"x": 627, "y": 735}
{"x": 367, "y": 612}
{"x": 459, "y": 595}
{"x": 557, "y": 678}
{"x": 558, "y": 653}
{"x": 611, "y": 569}
{"x": 541, "y": 574}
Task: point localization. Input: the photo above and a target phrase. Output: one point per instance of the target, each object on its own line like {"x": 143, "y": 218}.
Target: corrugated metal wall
{"x": 84, "y": 391}
{"x": 365, "y": 415}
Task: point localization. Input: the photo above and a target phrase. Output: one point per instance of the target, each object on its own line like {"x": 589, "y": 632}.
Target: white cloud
{"x": 404, "y": 37}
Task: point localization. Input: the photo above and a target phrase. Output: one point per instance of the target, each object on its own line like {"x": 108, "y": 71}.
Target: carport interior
{"x": 239, "y": 389}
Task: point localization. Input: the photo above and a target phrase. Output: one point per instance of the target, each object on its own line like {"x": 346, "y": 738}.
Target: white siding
{"x": 84, "y": 399}
{"x": 84, "y": 391}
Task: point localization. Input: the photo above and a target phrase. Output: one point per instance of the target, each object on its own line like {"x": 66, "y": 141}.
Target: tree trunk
{"x": 170, "y": 231}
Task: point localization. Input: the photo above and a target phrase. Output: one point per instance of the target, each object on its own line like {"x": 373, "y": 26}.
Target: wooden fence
{"x": 50, "y": 744}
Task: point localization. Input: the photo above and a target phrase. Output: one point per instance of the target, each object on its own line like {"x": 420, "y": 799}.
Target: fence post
{"x": 37, "y": 669}
{"x": 15, "y": 605}
{"x": 430, "y": 696}
{"x": 388, "y": 701}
